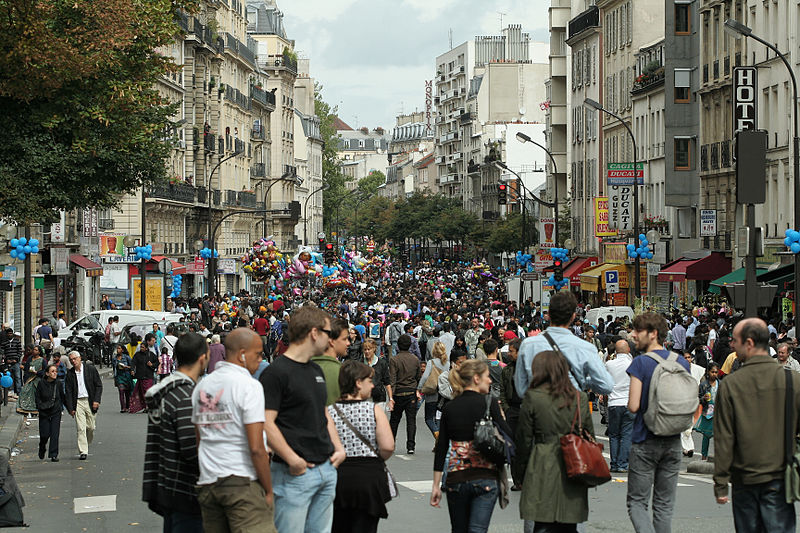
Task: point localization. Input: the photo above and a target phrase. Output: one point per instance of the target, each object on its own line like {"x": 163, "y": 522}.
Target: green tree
{"x": 83, "y": 120}
{"x": 331, "y": 165}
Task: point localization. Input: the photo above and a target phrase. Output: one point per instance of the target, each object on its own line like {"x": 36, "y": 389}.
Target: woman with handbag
{"x": 550, "y": 501}
{"x": 49, "y": 400}
{"x": 362, "y": 487}
{"x": 429, "y": 385}
{"x": 471, "y": 486}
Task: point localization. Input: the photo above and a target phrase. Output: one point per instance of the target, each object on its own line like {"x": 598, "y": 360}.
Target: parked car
{"x": 97, "y": 321}
{"x": 602, "y": 312}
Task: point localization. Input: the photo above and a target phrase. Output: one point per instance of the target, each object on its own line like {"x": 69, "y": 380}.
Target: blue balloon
{"x": 26, "y": 249}
{"x": 21, "y": 257}
{"x": 34, "y": 242}
{"x": 13, "y": 253}
{"x": 630, "y": 247}
{"x": 649, "y": 255}
{"x": 6, "y": 381}
{"x": 642, "y": 236}
{"x": 787, "y": 232}
{"x": 795, "y": 235}
{"x": 15, "y": 242}
{"x": 795, "y": 247}
{"x": 23, "y": 241}
{"x": 35, "y": 250}
{"x": 634, "y": 255}
{"x": 787, "y": 241}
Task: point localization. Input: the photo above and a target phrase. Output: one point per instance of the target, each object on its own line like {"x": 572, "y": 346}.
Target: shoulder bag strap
{"x": 789, "y": 414}
{"x": 488, "y": 415}
{"x": 558, "y": 351}
{"x": 356, "y": 432}
{"x": 577, "y": 416}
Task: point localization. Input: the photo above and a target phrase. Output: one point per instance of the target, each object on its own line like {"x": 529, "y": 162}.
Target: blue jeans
{"x": 430, "y": 414}
{"x": 471, "y": 504}
{"x": 620, "y": 427}
{"x": 305, "y": 502}
{"x": 762, "y": 508}
{"x": 653, "y": 468}
{"x": 175, "y": 522}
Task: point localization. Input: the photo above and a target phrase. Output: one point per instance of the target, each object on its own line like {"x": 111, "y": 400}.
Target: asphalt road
{"x": 112, "y": 475}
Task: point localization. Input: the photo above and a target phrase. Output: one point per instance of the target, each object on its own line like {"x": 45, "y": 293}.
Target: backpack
{"x": 496, "y": 373}
{"x": 431, "y": 385}
{"x": 672, "y": 400}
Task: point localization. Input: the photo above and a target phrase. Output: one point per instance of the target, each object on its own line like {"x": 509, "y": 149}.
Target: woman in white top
{"x": 362, "y": 488}
{"x": 429, "y": 384}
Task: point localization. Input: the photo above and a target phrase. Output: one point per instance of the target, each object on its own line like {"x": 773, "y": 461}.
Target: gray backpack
{"x": 672, "y": 400}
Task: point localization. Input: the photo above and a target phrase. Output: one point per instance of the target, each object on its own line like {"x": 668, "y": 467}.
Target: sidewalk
{"x": 11, "y": 424}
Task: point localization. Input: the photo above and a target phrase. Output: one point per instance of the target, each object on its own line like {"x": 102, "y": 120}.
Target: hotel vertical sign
{"x": 745, "y": 98}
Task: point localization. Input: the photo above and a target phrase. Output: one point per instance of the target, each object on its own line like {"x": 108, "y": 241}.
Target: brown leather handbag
{"x": 583, "y": 455}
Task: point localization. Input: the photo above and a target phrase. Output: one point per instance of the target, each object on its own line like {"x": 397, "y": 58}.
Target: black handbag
{"x": 489, "y": 440}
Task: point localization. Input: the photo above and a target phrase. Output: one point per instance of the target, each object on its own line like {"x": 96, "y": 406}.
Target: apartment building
{"x": 276, "y": 57}
{"x": 362, "y": 151}
{"x": 412, "y": 154}
{"x": 720, "y": 54}
{"x": 220, "y": 134}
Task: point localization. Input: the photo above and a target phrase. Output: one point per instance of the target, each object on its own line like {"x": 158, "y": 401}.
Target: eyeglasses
{"x": 326, "y": 332}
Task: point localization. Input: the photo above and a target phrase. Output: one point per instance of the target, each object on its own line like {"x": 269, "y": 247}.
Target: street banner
{"x": 708, "y": 222}
{"x": 154, "y": 296}
{"x": 58, "y": 230}
{"x": 622, "y": 173}
{"x": 601, "y": 215}
{"x": 547, "y": 233}
{"x": 226, "y": 266}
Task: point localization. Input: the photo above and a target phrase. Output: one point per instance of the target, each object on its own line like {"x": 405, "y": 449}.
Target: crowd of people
{"x": 279, "y": 413}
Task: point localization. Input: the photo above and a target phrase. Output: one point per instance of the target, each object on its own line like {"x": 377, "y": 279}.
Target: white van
{"x": 602, "y": 312}
{"x": 98, "y": 320}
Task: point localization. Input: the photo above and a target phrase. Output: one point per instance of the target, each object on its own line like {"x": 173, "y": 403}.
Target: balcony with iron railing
{"x": 236, "y": 96}
{"x": 202, "y": 197}
{"x": 282, "y": 61}
{"x": 289, "y": 170}
{"x": 258, "y": 170}
{"x": 265, "y": 98}
{"x": 247, "y": 199}
{"x": 716, "y": 69}
{"x": 588, "y": 19}
{"x": 175, "y": 192}
{"x": 257, "y": 132}
{"x": 648, "y": 80}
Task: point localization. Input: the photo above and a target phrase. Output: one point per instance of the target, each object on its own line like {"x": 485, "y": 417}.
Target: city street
{"x": 103, "y": 494}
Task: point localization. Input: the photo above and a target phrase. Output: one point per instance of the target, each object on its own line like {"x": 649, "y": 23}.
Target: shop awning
{"x": 177, "y": 268}
{"x": 592, "y": 279}
{"x": 577, "y": 266}
{"x": 92, "y": 269}
{"x": 783, "y": 277}
{"x": 734, "y": 277}
{"x": 701, "y": 265}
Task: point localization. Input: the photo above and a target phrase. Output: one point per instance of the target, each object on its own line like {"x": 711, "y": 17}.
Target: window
{"x": 683, "y": 84}
{"x": 683, "y": 153}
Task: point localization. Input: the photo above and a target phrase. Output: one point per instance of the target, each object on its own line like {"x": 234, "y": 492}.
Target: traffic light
{"x": 502, "y": 190}
{"x": 322, "y": 244}
{"x": 558, "y": 270}
{"x": 329, "y": 252}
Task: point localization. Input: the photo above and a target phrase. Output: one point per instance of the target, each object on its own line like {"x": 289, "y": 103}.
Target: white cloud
{"x": 429, "y": 9}
{"x": 314, "y": 10}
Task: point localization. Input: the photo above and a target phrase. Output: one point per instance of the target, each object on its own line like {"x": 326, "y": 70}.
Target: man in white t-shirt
{"x": 620, "y": 420}
{"x": 170, "y": 340}
{"x": 116, "y": 330}
{"x": 235, "y": 485}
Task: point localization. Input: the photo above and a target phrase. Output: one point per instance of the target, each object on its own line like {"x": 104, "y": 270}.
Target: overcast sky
{"x": 373, "y": 56}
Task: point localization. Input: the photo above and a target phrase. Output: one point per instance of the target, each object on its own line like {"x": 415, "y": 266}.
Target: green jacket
{"x": 330, "y": 367}
{"x": 748, "y": 423}
{"x": 547, "y": 495}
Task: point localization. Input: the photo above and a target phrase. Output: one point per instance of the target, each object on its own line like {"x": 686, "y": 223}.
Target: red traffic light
{"x": 502, "y": 187}
{"x": 329, "y": 246}
{"x": 557, "y": 263}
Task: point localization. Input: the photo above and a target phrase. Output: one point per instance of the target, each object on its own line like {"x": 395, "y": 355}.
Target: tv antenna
{"x": 501, "y": 19}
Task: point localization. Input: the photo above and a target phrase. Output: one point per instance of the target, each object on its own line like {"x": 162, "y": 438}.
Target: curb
{"x": 9, "y": 434}
{"x": 700, "y": 467}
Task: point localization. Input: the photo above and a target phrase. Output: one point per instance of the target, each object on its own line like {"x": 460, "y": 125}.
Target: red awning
{"x": 577, "y": 266}
{"x": 92, "y": 269}
{"x": 177, "y": 268}
{"x": 705, "y": 268}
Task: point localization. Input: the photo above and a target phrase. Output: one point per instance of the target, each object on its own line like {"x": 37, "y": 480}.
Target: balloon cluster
{"x": 20, "y": 248}
{"x": 792, "y": 240}
{"x": 557, "y": 285}
{"x": 561, "y": 254}
{"x": 144, "y": 252}
{"x": 177, "y": 281}
{"x": 6, "y": 381}
{"x": 524, "y": 261}
{"x": 334, "y": 277}
{"x": 205, "y": 253}
{"x": 642, "y": 251}
{"x": 264, "y": 260}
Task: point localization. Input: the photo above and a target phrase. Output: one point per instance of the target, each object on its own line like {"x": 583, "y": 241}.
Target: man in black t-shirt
{"x": 299, "y": 429}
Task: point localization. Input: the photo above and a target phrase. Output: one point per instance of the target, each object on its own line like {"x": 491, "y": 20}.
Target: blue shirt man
{"x": 587, "y": 371}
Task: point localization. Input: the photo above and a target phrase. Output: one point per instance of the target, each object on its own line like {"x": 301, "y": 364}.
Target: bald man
{"x": 235, "y": 485}
{"x": 753, "y": 464}
{"x": 620, "y": 420}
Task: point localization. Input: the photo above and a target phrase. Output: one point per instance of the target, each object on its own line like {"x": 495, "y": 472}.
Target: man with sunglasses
{"x": 299, "y": 430}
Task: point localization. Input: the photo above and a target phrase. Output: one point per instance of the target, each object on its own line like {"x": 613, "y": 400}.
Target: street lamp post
{"x": 284, "y": 177}
{"x": 324, "y": 187}
{"x": 523, "y": 138}
{"x": 637, "y": 262}
{"x": 210, "y": 239}
{"x": 739, "y": 30}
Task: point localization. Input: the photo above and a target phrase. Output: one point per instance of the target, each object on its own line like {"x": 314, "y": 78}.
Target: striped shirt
{"x": 170, "y": 458}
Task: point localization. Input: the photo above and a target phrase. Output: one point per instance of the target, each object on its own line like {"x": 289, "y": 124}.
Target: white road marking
{"x": 403, "y": 457}
{"x": 95, "y": 504}
{"x": 701, "y": 479}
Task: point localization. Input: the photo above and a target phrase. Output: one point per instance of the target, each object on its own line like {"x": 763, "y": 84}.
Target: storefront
{"x": 86, "y": 274}
{"x": 593, "y": 284}
{"x": 692, "y": 274}
{"x": 576, "y": 267}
